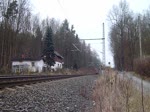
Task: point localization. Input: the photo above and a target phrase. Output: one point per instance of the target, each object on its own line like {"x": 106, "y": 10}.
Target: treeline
{"x": 22, "y": 35}
{"x": 124, "y": 35}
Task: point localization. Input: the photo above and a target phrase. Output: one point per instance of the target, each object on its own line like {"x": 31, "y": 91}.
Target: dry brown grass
{"x": 113, "y": 93}
{"x": 85, "y": 71}
{"x": 68, "y": 72}
{"x": 58, "y": 72}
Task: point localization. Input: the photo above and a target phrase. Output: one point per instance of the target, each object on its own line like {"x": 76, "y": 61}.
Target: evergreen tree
{"x": 38, "y": 42}
{"x": 12, "y": 10}
{"x": 48, "y": 50}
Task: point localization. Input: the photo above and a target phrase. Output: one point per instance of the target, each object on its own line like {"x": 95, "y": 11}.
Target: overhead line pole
{"x": 140, "y": 43}
{"x": 104, "y": 59}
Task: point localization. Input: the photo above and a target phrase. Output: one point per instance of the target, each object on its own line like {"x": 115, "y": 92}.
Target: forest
{"x": 22, "y": 35}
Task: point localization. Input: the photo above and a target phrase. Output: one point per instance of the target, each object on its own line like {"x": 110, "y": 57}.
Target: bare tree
{"x": 122, "y": 35}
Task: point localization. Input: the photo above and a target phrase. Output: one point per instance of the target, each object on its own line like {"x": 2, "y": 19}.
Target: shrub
{"x": 142, "y": 66}
{"x": 5, "y": 70}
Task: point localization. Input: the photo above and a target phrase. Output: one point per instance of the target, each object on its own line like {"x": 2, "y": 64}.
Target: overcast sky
{"x": 87, "y": 17}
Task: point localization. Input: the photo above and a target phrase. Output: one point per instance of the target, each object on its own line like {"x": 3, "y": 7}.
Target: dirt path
{"x": 137, "y": 81}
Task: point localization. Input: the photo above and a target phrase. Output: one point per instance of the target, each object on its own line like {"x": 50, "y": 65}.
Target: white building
{"x": 27, "y": 65}
{"x": 58, "y": 62}
{"x": 35, "y": 65}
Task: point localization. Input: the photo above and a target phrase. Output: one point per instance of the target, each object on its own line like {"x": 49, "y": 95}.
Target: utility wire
{"x": 62, "y": 9}
{"x": 94, "y": 39}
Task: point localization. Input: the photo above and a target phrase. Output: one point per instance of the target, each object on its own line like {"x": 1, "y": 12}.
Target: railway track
{"x": 11, "y": 81}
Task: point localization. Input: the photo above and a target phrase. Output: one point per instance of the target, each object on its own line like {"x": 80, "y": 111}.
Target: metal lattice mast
{"x": 104, "y": 60}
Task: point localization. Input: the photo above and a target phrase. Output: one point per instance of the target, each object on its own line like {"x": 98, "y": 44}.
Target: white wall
{"x": 38, "y": 65}
{"x": 56, "y": 66}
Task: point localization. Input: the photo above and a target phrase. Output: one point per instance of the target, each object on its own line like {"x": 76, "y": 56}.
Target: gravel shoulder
{"x": 68, "y": 95}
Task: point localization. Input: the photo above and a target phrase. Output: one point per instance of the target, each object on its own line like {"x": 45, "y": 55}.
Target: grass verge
{"x": 113, "y": 93}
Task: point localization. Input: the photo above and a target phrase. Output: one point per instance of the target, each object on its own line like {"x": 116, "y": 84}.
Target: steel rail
{"x": 11, "y": 81}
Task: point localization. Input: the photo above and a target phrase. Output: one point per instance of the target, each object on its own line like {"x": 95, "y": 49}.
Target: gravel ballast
{"x": 67, "y": 95}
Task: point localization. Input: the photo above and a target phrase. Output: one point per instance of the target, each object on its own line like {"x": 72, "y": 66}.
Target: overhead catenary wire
{"x": 62, "y": 9}
{"x": 94, "y": 39}
{"x": 76, "y": 48}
